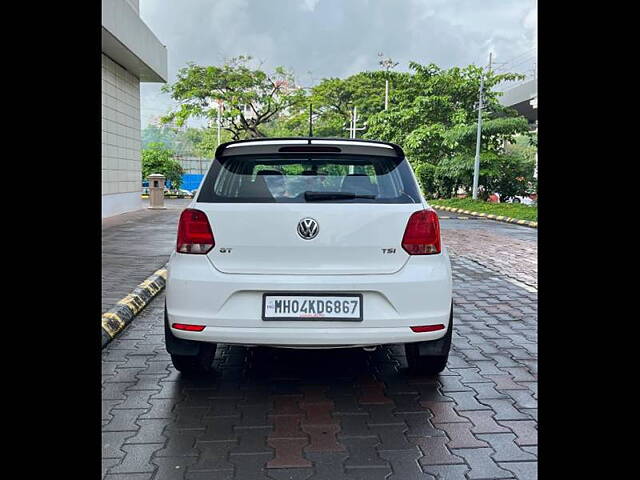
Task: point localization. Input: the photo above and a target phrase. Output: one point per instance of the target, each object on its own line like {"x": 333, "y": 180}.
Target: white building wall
{"x": 121, "y": 161}
{"x": 135, "y": 4}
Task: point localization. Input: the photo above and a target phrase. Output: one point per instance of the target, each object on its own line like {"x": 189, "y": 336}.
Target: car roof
{"x": 309, "y": 145}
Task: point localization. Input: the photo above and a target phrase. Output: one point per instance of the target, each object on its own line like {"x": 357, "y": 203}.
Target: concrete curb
{"x": 499, "y": 218}
{"x": 144, "y": 197}
{"x": 120, "y": 315}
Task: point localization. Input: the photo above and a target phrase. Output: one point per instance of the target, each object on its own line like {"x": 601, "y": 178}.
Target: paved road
{"x": 502, "y": 247}
{"x": 134, "y": 245}
{"x": 338, "y": 415}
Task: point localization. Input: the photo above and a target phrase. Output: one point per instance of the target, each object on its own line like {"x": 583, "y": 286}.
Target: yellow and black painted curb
{"x": 499, "y": 218}
{"x": 123, "y": 312}
{"x": 168, "y": 196}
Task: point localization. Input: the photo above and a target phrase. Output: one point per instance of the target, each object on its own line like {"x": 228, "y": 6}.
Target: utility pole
{"x": 476, "y": 167}
{"x": 219, "y": 102}
{"x": 353, "y": 124}
{"x": 387, "y": 64}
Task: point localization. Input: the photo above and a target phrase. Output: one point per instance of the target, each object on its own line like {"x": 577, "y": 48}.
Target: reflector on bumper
{"x": 427, "y": 328}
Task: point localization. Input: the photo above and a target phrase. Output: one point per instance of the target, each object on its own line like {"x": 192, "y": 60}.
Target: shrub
{"x": 507, "y": 174}
{"x": 511, "y": 175}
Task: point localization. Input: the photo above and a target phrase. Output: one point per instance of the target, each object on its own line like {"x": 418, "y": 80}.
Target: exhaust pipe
{"x": 370, "y": 349}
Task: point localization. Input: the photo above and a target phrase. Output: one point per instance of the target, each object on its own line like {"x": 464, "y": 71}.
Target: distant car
{"x": 522, "y": 200}
{"x": 186, "y": 193}
{"x": 525, "y": 200}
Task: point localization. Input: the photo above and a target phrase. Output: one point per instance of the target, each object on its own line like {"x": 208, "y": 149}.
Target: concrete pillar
{"x": 156, "y": 191}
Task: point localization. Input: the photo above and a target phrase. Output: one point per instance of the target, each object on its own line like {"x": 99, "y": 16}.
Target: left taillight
{"x": 194, "y": 233}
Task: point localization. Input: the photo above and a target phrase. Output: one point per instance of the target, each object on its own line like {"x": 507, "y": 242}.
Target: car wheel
{"x": 202, "y": 362}
{"x": 516, "y": 200}
{"x": 435, "y": 360}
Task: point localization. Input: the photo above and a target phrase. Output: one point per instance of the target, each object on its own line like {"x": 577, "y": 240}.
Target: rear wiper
{"x": 318, "y": 196}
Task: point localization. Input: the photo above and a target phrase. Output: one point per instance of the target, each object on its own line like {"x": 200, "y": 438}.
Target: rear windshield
{"x": 296, "y": 178}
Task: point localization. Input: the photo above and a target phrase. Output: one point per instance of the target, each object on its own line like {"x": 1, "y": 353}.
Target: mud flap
{"x": 435, "y": 347}
{"x": 178, "y": 346}
{"x": 438, "y": 347}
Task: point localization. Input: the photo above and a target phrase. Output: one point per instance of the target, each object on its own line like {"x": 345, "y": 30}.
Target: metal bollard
{"x": 156, "y": 191}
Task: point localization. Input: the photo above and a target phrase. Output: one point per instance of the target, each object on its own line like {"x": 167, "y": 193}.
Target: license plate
{"x": 332, "y": 306}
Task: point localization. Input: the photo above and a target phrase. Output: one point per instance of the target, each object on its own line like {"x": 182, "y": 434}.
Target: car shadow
{"x": 283, "y": 370}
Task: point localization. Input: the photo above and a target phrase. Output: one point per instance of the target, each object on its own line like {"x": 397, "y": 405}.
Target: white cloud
{"x": 336, "y": 37}
{"x": 310, "y": 4}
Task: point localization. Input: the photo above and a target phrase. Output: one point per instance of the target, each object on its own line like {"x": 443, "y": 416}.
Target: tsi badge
{"x": 388, "y": 250}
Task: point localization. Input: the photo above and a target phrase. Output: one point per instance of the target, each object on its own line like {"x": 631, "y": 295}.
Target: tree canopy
{"x": 250, "y": 97}
{"x": 432, "y": 115}
{"x": 191, "y": 141}
{"x": 435, "y": 117}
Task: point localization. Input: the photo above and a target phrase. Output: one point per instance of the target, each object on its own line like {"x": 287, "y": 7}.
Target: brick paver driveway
{"x": 134, "y": 245}
{"x": 343, "y": 414}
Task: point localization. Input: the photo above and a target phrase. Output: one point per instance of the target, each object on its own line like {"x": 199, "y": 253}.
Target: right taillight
{"x": 422, "y": 235}
{"x": 194, "y": 233}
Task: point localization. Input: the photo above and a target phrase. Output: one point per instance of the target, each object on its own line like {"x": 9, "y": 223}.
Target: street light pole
{"x": 476, "y": 166}
{"x": 386, "y": 94}
{"x": 387, "y": 64}
{"x": 219, "y": 123}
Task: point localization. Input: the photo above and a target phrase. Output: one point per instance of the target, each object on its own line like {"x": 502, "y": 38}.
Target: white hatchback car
{"x": 309, "y": 243}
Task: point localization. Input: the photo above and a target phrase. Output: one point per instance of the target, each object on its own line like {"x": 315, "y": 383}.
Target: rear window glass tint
{"x": 285, "y": 178}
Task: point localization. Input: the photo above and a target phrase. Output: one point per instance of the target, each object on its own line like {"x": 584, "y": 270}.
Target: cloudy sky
{"x": 336, "y": 38}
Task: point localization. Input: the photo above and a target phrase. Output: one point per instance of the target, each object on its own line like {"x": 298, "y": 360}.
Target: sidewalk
{"x": 134, "y": 245}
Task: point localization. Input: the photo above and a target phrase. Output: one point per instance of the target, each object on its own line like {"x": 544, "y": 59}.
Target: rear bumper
{"x": 230, "y": 305}
{"x": 309, "y": 337}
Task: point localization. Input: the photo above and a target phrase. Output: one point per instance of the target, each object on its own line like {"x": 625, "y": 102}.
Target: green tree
{"x": 158, "y": 134}
{"x": 157, "y": 158}
{"x": 251, "y": 97}
{"x": 334, "y": 98}
{"x": 332, "y": 102}
{"x": 426, "y": 173}
{"x": 434, "y": 113}
{"x": 192, "y": 141}
{"x": 208, "y": 142}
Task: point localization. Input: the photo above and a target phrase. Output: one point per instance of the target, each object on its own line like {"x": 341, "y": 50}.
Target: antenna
{"x": 310, "y": 120}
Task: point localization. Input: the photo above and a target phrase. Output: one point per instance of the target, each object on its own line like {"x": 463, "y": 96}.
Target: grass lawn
{"x": 513, "y": 210}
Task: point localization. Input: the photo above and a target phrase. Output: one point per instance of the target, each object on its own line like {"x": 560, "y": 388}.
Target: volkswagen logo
{"x": 308, "y": 228}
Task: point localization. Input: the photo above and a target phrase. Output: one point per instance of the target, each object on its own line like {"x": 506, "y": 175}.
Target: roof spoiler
{"x": 309, "y": 145}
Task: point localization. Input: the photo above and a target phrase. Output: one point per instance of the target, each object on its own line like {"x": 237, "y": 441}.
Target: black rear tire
{"x": 196, "y": 364}
{"x": 430, "y": 364}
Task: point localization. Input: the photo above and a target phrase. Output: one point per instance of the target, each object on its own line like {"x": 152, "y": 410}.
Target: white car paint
{"x": 258, "y": 250}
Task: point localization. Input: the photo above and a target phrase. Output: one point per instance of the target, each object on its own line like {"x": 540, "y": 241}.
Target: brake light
{"x": 194, "y": 233}
{"x": 422, "y": 235}
{"x": 187, "y": 327}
